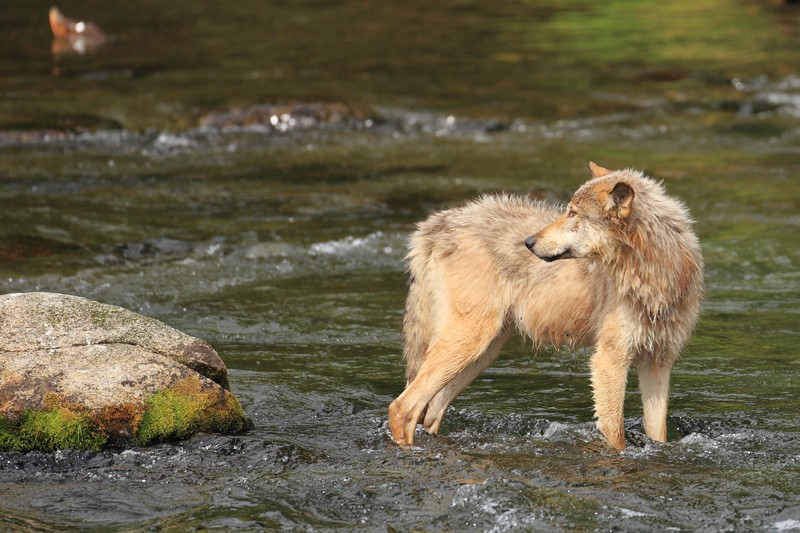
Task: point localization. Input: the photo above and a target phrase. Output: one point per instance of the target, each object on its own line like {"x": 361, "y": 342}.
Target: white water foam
{"x": 374, "y": 243}
{"x": 554, "y": 428}
{"x": 504, "y": 516}
{"x": 787, "y": 525}
{"x": 630, "y": 513}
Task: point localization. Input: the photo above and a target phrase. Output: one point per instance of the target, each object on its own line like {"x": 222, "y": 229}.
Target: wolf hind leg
{"x": 463, "y": 341}
{"x": 654, "y": 376}
{"x": 439, "y": 404}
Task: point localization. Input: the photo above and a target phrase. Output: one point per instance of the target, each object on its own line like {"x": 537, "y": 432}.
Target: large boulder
{"x": 81, "y": 374}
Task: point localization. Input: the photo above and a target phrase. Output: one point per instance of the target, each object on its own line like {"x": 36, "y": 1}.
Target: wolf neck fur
{"x": 643, "y": 242}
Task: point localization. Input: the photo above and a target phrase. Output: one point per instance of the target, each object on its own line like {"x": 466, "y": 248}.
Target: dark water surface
{"x": 280, "y": 240}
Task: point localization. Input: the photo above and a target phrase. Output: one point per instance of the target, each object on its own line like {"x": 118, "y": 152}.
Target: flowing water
{"x": 139, "y": 176}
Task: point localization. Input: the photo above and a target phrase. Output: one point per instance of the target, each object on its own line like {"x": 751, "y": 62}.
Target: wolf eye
{"x": 570, "y": 213}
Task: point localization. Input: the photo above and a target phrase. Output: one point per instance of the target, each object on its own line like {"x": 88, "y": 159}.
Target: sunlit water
{"x": 282, "y": 244}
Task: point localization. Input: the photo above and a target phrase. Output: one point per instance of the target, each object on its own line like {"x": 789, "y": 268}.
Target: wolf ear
{"x": 597, "y": 170}
{"x": 619, "y": 201}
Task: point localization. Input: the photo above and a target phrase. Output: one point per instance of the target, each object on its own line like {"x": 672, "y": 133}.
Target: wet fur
{"x": 619, "y": 269}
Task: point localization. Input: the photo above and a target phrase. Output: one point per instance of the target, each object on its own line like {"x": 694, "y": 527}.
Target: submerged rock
{"x": 284, "y": 117}
{"x": 81, "y": 374}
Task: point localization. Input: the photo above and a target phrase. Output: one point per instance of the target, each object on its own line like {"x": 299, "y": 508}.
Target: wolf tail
{"x": 418, "y": 323}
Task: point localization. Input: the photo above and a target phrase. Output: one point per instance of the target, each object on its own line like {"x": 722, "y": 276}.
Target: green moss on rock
{"x": 48, "y": 430}
{"x": 193, "y": 405}
{"x": 189, "y": 407}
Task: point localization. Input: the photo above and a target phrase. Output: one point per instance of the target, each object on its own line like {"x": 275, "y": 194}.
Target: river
{"x": 249, "y": 173}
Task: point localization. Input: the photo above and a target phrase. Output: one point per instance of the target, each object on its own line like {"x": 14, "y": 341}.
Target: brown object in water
{"x": 74, "y": 36}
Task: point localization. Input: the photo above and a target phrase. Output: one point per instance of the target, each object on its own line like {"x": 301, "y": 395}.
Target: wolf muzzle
{"x": 530, "y": 242}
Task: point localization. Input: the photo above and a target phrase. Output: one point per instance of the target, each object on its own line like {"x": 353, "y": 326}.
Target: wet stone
{"x": 80, "y": 374}
{"x": 283, "y": 117}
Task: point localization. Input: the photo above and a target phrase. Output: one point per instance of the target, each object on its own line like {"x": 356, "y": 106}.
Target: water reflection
{"x": 251, "y": 177}
{"x": 74, "y": 36}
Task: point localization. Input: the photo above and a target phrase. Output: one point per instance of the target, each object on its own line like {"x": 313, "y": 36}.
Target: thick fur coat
{"x": 619, "y": 269}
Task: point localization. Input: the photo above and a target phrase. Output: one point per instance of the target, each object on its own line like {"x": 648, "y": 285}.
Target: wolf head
{"x": 594, "y": 217}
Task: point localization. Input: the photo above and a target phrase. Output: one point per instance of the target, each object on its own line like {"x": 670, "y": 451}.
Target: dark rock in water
{"x": 283, "y": 117}
{"x": 80, "y": 374}
{"x": 17, "y": 248}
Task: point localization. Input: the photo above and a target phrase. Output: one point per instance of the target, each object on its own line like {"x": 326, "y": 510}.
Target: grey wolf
{"x": 619, "y": 269}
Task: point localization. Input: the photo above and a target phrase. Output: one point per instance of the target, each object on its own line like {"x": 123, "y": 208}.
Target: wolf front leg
{"x": 609, "y": 378}
{"x": 654, "y": 385}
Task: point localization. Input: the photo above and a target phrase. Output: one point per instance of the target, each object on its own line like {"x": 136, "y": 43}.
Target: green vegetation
{"x": 53, "y": 429}
{"x": 175, "y": 413}
{"x": 188, "y": 408}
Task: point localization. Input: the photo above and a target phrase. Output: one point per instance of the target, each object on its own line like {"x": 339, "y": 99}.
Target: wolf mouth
{"x": 550, "y": 258}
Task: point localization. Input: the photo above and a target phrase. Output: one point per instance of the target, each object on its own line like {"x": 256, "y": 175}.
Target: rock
{"x": 77, "y": 373}
{"x": 284, "y": 118}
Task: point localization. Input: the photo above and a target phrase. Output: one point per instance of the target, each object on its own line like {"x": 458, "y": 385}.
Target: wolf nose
{"x": 529, "y": 242}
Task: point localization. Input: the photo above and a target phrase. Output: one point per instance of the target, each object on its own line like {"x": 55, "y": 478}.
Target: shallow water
{"x": 282, "y": 243}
